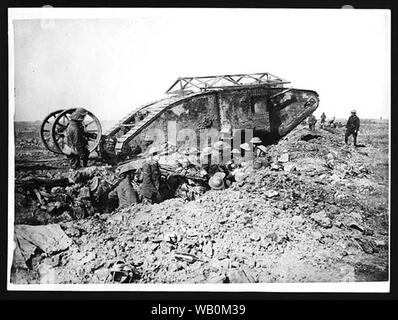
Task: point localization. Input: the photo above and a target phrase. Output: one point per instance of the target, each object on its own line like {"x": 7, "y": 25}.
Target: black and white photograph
{"x": 198, "y": 149}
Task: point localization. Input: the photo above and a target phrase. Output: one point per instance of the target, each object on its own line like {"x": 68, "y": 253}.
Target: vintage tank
{"x": 258, "y": 104}
{"x": 197, "y": 110}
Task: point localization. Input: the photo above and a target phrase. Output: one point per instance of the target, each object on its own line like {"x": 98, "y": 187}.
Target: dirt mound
{"x": 319, "y": 212}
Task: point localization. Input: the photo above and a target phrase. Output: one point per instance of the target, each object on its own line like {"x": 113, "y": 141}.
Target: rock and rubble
{"x": 315, "y": 210}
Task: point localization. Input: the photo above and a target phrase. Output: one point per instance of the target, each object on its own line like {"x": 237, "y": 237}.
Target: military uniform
{"x": 323, "y": 118}
{"x": 311, "y": 122}
{"x": 151, "y": 181}
{"x": 126, "y": 193}
{"x": 76, "y": 139}
{"x": 352, "y": 128}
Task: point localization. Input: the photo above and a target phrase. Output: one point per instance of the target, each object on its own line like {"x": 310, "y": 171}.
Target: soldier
{"x": 222, "y": 152}
{"x": 209, "y": 160}
{"x": 124, "y": 190}
{"x": 255, "y": 141}
{"x": 332, "y": 123}
{"x": 205, "y": 157}
{"x": 126, "y": 194}
{"x": 323, "y": 119}
{"x": 216, "y": 182}
{"x": 151, "y": 178}
{"x": 352, "y": 127}
{"x": 232, "y": 164}
{"x": 76, "y": 139}
{"x": 247, "y": 149}
{"x": 261, "y": 151}
{"x": 311, "y": 122}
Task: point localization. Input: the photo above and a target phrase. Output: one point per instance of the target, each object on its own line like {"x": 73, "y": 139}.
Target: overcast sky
{"x": 111, "y": 66}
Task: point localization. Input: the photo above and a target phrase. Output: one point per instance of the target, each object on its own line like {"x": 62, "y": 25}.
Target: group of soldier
{"x": 150, "y": 176}
{"x": 352, "y": 125}
{"x": 78, "y": 153}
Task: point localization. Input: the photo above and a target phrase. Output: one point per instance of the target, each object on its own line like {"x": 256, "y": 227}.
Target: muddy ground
{"x": 318, "y": 213}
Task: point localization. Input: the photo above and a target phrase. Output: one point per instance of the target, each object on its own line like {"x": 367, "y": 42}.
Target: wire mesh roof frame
{"x": 192, "y": 84}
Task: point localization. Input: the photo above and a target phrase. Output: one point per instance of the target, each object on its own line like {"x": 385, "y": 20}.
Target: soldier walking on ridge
{"x": 352, "y": 127}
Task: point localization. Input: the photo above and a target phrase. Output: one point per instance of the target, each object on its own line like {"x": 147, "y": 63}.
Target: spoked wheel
{"x": 91, "y": 125}
{"x": 45, "y": 131}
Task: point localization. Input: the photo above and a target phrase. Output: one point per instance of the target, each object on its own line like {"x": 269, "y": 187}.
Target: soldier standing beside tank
{"x": 352, "y": 127}
{"x": 323, "y": 119}
{"x": 76, "y": 139}
{"x": 150, "y": 187}
{"x": 311, "y": 122}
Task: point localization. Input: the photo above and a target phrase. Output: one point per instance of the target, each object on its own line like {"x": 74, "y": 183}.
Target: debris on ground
{"x": 48, "y": 239}
{"x": 315, "y": 210}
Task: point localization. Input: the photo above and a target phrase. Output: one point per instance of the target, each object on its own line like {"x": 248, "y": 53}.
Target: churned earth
{"x": 318, "y": 213}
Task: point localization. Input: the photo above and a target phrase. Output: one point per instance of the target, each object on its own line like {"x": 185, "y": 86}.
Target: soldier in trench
{"x": 126, "y": 194}
{"x": 209, "y": 160}
{"x": 150, "y": 186}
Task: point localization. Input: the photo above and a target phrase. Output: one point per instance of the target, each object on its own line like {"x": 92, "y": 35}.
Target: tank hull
{"x": 269, "y": 113}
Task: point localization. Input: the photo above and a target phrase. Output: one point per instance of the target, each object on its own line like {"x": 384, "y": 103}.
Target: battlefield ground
{"x": 319, "y": 213}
